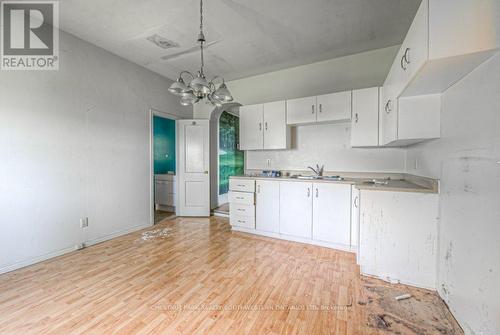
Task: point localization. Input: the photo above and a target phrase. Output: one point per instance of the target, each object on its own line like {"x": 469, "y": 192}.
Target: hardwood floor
{"x": 195, "y": 276}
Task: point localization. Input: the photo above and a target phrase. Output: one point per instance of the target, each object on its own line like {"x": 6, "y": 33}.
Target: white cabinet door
{"x": 334, "y": 107}
{"x": 355, "y": 217}
{"x": 296, "y": 209}
{"x": 417, "y": 41}
{"x": 365, "y": 113}
{"x": 388, "y": 116}
{"x": 252, "y": 127}
{"x": 268, "y": 206}
{"x": 301, "y": 110}
{"x": 332, "y": 213}
{"x": 275, "y": 128}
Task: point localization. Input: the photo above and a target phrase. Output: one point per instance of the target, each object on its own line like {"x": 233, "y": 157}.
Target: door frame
{"x": 231, "y": 108}
{"x": 154, "y": 112}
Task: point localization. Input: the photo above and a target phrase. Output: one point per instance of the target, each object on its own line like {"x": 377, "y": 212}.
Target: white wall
{"x": 467, "y": 160}
{"x": 323, "y": 144}
{"x": 75, "y": 143}
{"x": 327, "y": 144}
{"x": 366, "y": 69}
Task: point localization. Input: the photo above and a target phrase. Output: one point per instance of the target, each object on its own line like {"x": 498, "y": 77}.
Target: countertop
{"x": 410, "y": 183}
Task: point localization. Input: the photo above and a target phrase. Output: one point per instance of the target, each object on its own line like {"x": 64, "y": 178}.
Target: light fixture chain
{"x": 201, "y": 34}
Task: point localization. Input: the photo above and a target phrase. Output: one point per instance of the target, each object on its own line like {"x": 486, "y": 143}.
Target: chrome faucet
{"x": 318, "y": 171}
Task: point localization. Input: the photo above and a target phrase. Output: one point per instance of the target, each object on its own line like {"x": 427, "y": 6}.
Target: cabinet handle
{"x": 308, "y": 192}
{"x": 266, "y": 126}
{"x": 388, "y": 107}
{"x": 258, "y": 188}
{"x": 312, "y": 109}
{"x": 321, "y": 108}
{"x": 260, "y": 126}
{"x": 356, "y": 202}
{"x": 356, "y": 117}
{"x": 407, "y": 56}
{"x": 405, "y": 59}
{"x": 317, "y": 192}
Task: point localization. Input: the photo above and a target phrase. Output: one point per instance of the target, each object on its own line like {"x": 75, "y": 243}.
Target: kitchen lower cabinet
{"x": 399, "y": 236}
{"x": 355, "y": 201}
{"x": 332, "y": 213}
{"x": 267, "y": 204}
{"x": 296, "y": 209}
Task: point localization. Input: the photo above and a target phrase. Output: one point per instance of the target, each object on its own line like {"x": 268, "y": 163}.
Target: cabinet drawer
{"x": 243, "y": 198}
{"x": 242, "y": 221}
{"x": 242, "y": 185}
{"x": 241, "y": 210}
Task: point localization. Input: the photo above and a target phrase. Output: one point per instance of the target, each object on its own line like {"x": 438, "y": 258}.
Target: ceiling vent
{"x": 162, "y": 42}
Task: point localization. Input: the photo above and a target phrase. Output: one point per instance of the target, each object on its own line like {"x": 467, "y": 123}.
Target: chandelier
{"x": 198, "y": 86}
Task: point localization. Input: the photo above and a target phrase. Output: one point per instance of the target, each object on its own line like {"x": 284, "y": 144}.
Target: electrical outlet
{"x": 268, "y": 162}
{"x": 84, "y": 222}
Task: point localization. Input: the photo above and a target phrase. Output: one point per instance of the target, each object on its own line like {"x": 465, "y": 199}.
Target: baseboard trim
{"x": 296, "y": 239}
{"x": 41, "y": 258}
{"x": 116, "y": 234}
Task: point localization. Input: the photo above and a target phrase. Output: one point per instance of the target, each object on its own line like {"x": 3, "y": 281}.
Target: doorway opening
{"x": 231, "y": 160}
{"x": 163, "y": 136}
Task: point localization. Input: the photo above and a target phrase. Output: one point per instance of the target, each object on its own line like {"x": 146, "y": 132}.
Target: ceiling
{"x": 246, "y": 37}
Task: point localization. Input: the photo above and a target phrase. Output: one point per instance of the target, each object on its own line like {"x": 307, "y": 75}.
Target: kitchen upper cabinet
{"x": 365, "y": 117}
{"x": 263, "y": 126}
{"x": 276, "y": 132}
{"x": 296, "y": 209}
{"x": 332, "y": 107}
{"x": 408, "y": 120}
{"x": 301, "y": 111}
{"x": 332, "y": 213}
{"x": 446, "y": 40}
{"x": 251, "y": 127}
{"x": 268, "y": 206}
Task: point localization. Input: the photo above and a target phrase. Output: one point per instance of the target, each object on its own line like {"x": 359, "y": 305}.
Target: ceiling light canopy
{"x": 198, "y": 86}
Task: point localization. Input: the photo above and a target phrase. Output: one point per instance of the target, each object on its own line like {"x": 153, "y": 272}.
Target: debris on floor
{"x": 154, "y": 234}
{"x": 388, "y": 309}
{"x": 403, "y": 297}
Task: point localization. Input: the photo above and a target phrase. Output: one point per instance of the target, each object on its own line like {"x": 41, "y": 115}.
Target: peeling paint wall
{"x": 74, "y": 143}
{"x": 467, "y": 160}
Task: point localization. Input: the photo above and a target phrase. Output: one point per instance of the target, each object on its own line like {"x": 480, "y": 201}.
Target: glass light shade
{"x": 178, "y": 87}
{"x": 188, "y": 99}
{"x": 200, "y": 84}
{"x": 223, "y": 94}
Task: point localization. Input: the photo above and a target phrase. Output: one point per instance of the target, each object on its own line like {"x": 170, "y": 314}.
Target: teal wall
{"x": 164, "y": 145}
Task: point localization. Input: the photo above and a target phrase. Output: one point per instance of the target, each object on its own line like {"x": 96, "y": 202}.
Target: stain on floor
{"x": 424, "y": 313}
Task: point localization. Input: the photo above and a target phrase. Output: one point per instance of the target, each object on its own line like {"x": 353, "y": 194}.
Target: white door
{"x": 275, "y": 128}
{"x": 268, "y": 206}
{"x": 296, "y": 209}
{"x": 364, "y": 123}
{"x": 332, "y": 213}
{"x": 252, "y": 127}
{"x": 301, "y": 110}
{"x": 334, "y": 106}
{"x": 193, "y": 168}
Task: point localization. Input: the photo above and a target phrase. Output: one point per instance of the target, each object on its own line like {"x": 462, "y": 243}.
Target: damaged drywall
{"x": 467, "y": 161}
